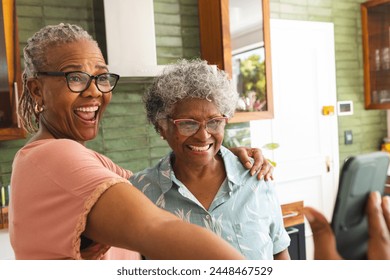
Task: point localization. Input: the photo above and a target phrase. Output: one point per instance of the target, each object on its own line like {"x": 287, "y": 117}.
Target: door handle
{"x": 328, "y": 163}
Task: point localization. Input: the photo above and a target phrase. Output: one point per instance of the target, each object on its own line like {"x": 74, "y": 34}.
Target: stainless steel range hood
{"x": 131, "y": 40}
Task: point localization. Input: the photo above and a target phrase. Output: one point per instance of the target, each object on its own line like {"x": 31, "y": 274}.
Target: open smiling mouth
{"x": 87, "y": 114}
{"x": 200, "y": 148}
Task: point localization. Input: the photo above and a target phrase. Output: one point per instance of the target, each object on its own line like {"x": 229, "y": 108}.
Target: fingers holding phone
{"x": 378, "y": 215}
{"x": 378, "y": 218}
{"x": 360, "y": 176}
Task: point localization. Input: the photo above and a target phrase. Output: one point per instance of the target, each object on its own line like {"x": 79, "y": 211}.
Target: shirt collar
{"x": 234, "y": 170}
{"x": 233, "y": 166}
{"x": 164, "y": 173}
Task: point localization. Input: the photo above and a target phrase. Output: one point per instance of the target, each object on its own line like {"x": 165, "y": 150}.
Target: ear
{"x": 162, "y": 134}
{"x": 162, "y": 128}
{"x": 34, "y": 87}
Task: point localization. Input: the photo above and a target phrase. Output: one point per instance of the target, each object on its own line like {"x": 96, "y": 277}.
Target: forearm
{"x": 189, "y": 241}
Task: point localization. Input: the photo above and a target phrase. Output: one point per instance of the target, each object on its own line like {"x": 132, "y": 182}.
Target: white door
{"x": 303, "y": 70}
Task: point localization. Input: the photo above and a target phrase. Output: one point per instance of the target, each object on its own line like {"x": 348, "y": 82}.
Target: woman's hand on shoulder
{"x": 261, "y": 166}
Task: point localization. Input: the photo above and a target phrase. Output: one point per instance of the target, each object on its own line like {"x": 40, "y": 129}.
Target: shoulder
{"x": 64, "y": 157}
{"x": 239, "y": 175}
{"x": 153, "y": 177}
{"x": 229, "y": 158}
{"x": 58, "y": 150}
{"x": 57, "y": 146}
{"x": 71, "y": 149}
{"x": 142, "y": 177}
{"x": 233, "y": 166}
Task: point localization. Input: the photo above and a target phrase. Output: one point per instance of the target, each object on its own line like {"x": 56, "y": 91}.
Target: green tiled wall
{"x": 125, "y": 135}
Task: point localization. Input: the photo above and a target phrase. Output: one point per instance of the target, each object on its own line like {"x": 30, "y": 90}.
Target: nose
{"x": 92, "y": 90}
{"x": 202, "y": 132}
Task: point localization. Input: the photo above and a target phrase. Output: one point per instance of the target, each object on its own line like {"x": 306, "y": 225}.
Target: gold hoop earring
{"x": 38, "y": 109}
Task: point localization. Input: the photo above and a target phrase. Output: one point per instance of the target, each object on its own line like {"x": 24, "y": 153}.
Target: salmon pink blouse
{"x": 54, "y": 185}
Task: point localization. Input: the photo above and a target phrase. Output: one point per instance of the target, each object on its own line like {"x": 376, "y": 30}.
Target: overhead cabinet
{"x": 376, "y": 53}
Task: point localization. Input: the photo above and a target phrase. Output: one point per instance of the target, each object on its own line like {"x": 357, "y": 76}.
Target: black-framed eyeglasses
{"x": 188, "y": 127}
{"x": 79, "y": 81}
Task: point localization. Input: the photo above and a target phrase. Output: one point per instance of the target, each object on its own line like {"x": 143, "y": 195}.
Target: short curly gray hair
{"x": 189, "y": 79}
{"x": 35, "y": 60}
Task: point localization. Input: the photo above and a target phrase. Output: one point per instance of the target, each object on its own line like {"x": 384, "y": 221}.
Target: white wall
{"x": 6, "y": 252}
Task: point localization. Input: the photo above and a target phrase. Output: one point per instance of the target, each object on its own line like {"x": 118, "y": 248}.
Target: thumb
{"x": 324, "y": 240}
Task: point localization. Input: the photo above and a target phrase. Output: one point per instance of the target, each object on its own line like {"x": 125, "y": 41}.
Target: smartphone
{"x": 359, "y": 176}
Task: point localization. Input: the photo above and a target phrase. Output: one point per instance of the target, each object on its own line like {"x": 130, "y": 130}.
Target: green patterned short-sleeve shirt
{"x": 245, "y": 211}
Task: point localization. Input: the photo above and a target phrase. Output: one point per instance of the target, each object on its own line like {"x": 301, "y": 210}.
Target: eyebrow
{"x": 78, "y": 66}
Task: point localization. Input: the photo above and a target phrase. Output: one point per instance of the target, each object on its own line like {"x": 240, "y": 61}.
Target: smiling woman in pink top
{"x": 69, "y": 202}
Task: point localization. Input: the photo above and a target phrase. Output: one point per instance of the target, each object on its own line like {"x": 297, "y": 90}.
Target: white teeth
{"x": 88, "y": 109}
{"x": 199, "y": 149}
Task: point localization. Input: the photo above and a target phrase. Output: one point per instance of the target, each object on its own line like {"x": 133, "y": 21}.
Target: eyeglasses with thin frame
{"x": 79, "y": 81}
{"x": 188, "y": 127}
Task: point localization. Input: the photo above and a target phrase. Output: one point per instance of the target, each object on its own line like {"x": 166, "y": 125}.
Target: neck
{"x": 203, "y": 182}
{"x": 46, "y": 126}
{"x": 47, "y": 131}
{"x": 184, "y": 171}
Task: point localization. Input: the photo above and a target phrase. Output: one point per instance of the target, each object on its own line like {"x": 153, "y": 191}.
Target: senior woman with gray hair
{"x": 201, "y": 181}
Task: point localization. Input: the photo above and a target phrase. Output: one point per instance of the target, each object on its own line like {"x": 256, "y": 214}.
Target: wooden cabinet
{"x": 294, "y": 222}
{"x": 10, "y": 73}
{"x": 376, "y": 53}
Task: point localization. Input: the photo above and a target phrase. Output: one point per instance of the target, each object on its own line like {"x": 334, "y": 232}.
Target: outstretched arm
{"x": 261, "y": 165}
{"x": 124, "y": 217}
